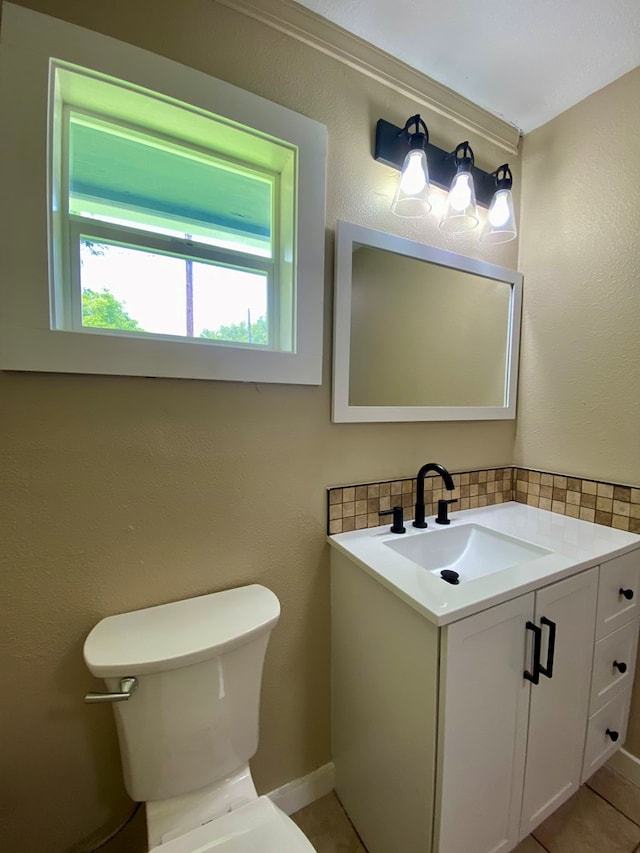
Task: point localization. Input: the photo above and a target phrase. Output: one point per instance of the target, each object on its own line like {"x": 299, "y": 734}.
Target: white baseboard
{"x": 302, "y": 792}
{"x": 626, "y": 765}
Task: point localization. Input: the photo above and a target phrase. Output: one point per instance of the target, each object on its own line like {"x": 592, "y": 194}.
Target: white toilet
{"x": 185, "y": 679}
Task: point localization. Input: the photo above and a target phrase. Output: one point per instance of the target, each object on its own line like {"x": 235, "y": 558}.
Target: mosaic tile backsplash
{"x": 591, "y": 500}
{"x": 359, "y": 506}
{"x": 356, "y": 507}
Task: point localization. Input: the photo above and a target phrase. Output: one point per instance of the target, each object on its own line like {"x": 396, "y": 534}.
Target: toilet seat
{"x": 257, "y": 827}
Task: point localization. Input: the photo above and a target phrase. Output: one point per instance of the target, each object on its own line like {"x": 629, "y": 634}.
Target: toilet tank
{"x": 193, "y": 718}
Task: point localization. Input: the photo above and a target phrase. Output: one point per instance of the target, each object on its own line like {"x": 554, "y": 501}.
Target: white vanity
{"x": 463, "y": 715}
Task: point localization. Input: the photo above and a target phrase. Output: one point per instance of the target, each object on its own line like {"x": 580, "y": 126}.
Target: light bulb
{"x": 461, "y": 214}
{"x": 500, "y": 224}
{"x": 413, "y": 179}
{"x": 499, "y": 212}
{"x": 460, "y": 194}
{"x": 412, "y": 193}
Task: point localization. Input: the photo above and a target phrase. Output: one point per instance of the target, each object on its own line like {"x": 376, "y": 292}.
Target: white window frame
{"x": 71, "y": 307}
{"x": 33, "y": 334}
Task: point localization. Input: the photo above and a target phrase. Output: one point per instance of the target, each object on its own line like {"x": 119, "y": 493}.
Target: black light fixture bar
{"x": 392, "y": 146}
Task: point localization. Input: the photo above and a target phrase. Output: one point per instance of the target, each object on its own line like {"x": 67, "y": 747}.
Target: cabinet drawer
{"x": 618, "y": 593}
{"x": 599, "y": 745}
{"x": 612, "y": 654}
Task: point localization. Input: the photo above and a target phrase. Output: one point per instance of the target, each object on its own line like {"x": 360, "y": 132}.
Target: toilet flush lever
{"x": 127, "y": 689}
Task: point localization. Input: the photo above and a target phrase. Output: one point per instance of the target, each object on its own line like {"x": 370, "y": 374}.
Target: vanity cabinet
{"x": 441, "y": 744}
{"x": 510, "y": 748}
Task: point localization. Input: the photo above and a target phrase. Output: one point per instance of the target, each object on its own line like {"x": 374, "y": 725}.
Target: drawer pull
{"x": 613, "y": 735}
{"x": 621, "y": 667}
{"x": 627, "y": 593}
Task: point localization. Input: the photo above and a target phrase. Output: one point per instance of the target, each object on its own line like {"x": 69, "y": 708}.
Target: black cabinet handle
{"x": 621, "y": 667}
{"x": 534, "y": 677}
{"x": 551, "y": 648}
{"x": 613, "y": 735}
{"x": 628, "y": 593}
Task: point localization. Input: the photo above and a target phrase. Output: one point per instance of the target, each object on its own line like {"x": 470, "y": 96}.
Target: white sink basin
{"x": 471, "y": 550}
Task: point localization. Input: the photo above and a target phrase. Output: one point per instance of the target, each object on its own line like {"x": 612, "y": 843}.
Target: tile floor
{"x": 602, "y": 817}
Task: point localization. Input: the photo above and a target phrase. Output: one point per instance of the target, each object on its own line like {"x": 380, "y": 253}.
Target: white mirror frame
{"x": 348, "y": 235}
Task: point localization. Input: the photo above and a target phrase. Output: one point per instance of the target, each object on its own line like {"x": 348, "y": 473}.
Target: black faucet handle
{"x": 398, "y": 519}
{"x": 443, "y": 506}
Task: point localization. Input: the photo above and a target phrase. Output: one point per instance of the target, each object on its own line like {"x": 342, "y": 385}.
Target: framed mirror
{"x": 420, "y": 333}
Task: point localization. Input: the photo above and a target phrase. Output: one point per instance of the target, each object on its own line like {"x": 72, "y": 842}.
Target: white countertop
{"x": 575, "y": 545}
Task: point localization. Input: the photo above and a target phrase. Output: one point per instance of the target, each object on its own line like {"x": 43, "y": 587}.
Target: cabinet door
{"x": 559, "y": 706}
{"x": 483, "y": 729}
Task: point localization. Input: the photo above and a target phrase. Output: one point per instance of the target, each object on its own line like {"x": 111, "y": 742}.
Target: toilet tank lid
{"x": 180, "y": 633}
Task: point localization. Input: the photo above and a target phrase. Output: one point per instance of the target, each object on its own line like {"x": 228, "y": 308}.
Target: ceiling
{"x": 525, "y": 61}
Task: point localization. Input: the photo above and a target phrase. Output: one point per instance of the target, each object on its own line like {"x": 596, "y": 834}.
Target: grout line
{"x": 356, "y": 833}
{"x": 546, "y": 849}
{"x": 613, "y": 806}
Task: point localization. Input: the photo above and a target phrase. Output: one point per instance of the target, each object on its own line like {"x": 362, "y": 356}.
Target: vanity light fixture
{"x": 412, "y": 194}
{"x": 500, "y": 225}
{"x": 454, "y": 171}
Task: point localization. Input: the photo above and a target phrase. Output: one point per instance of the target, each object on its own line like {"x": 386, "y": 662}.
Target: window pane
{"x": 126, "y": 177}
{"x": 141, "y": 291}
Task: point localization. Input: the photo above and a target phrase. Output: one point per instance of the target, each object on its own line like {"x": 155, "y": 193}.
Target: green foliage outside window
{"x": 104, "y": 311}
{"x": 255, "y": 333}
{"x": 100, "y": 309}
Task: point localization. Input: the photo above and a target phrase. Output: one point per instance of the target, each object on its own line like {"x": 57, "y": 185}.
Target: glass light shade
{"x": 412, "y": 194}
{"x": 461, "y": 213}
{"x": 500, "y": 226}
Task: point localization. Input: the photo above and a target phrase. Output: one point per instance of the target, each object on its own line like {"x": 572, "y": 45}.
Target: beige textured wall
{"x": 119, "y": 493}
{"x": 580, "y": 254}
{"x": 579, "y": 406}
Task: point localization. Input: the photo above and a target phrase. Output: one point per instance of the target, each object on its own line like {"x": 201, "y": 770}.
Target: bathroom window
{"x": 169, "y": 238}
{"x": 177, "y": 244}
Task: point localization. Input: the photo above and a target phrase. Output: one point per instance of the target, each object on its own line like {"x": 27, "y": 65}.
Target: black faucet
{"x": 448, "y": 482}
